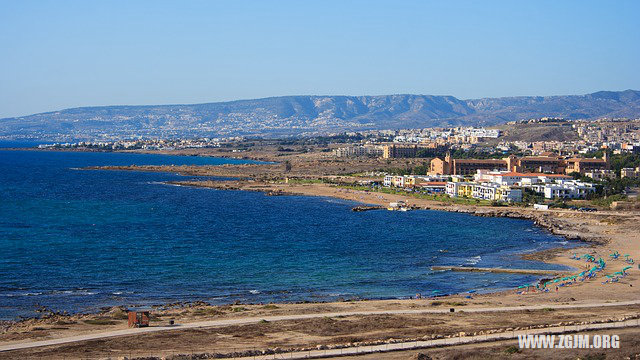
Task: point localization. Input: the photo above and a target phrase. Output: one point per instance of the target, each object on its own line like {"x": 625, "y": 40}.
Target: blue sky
{"x": 59, "y": 54}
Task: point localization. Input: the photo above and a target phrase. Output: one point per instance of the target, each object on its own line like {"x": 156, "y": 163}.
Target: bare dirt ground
{"x": 314, "y": 332}
{"x": 629, "y": 349}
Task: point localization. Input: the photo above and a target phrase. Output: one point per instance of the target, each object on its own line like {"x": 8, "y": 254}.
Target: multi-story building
{"x": 484, "y": 191}
{"x": 584, "y": 165}
{"x": 630, "y": 173}
{"x": 508, "y": 194}
{"x": 358, "y": 151}
{"x": 450, "y": 166}
{"x": 401, "y": 181}
{"x": 399, "y": 151}
{"x": 546, "y": 163}
{"x": 568, "y": 189}
{"x": 599, "y": 175}
{"x": 515, "y": 178}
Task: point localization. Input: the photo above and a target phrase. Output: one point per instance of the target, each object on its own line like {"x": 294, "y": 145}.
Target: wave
{"x": 473, "y": 260}
{"x": 80, "y": 292}
{"x": 77, "y": 292}
{"x": 22, "y": 294}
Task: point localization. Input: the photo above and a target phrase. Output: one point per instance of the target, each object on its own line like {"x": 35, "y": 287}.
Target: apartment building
{"x": 358, "y": 151}
{"x": 510, "y": 178}
{"x": 546, "y": 163}
{"x": 449, "y": 166}
{"x": 394, "y": 151}
{"x": 568, "y": 189}
{"x": 584, "y": 165}
{"x": 630, "y": 173}
{"x": 484, "y": 191}
{"x": 599, "y": 175}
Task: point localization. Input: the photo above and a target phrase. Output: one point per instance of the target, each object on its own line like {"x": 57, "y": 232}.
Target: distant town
{"x": 599, "y": 159}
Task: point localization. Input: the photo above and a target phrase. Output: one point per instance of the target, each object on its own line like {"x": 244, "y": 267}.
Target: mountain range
{"x": 308, "y": 115}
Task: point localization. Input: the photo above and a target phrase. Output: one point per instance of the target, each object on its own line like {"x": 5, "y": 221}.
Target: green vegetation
{"x": 618, "y": 161}
{"x": 512, "y": 350}
{"x": 531, "y": 197}
{"x": 606, "y": 202}
{"x": 270, "y": 307}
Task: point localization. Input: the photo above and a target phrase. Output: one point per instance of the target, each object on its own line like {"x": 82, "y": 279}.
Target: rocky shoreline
{"x": 543, "y": 219}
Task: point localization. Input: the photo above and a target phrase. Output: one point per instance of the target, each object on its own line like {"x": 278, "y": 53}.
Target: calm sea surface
{"x": 80, "y": 240}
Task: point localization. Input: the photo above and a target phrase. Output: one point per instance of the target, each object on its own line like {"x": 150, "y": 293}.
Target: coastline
{"x": 601, "y": 231}
{"x": 588, "y": 228}
{"x": 558, "y": 222}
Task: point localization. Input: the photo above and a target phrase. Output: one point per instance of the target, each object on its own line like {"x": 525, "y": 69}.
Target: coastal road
{"x": 253, "y": 320}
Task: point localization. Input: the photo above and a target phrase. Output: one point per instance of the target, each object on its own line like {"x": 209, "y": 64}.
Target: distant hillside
{"x": 291, "y": 115}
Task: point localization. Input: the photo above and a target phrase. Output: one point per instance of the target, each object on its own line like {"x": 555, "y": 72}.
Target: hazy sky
{"x": 59, "y": 54}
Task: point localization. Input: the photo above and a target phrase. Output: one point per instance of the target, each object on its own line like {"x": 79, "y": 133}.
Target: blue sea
{"x": 77, "y": 240}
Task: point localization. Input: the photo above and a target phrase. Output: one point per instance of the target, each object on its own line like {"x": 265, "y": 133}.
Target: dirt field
{"x": 317, "y": 331}
{"x": 629, "y": 349}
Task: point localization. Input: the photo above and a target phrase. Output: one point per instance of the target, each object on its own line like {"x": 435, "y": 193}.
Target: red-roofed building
{"x": 583, "y": 165}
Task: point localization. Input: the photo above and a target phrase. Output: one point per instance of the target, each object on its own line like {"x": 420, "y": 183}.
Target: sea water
{"x": 78, "y": 240}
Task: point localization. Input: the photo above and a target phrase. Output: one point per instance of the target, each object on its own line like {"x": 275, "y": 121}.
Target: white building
{"x": 570, "y": 189}
{"x": 485, "y": 191}
{"x": 515, "y": 178}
